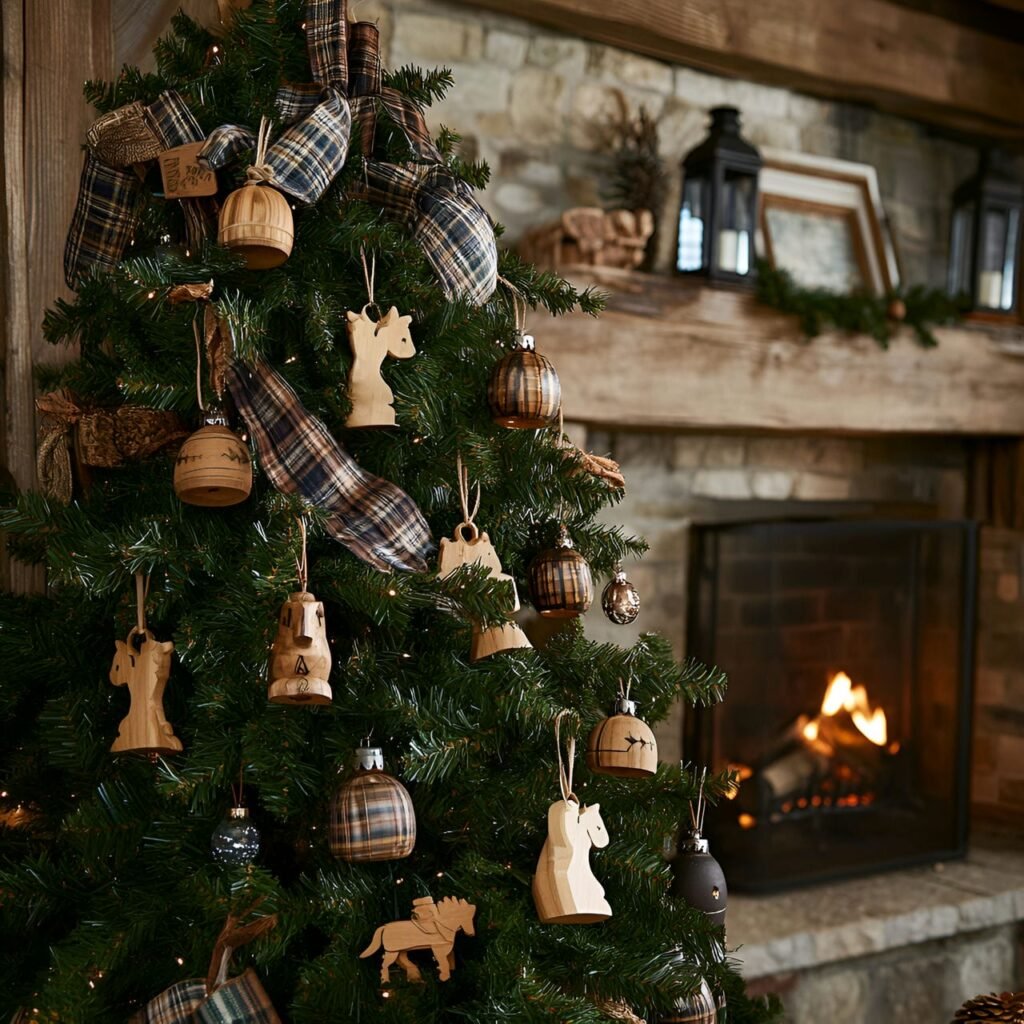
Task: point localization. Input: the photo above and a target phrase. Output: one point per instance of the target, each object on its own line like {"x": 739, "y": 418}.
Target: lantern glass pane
{"x": 997, "y": 258}
{"x": 961, "y": 246}
{"x": 692, "y": 213}
{"x": 736, "y": 223}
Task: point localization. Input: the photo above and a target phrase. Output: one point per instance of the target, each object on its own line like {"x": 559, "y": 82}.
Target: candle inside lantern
{"x": 733, "y": 251}
{"x": 990, "y": 289}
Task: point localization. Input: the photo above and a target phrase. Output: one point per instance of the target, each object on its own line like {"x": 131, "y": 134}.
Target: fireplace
{"x": 849, "y": 647}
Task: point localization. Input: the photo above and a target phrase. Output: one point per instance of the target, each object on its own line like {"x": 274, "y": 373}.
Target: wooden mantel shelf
{"x": 669, "y": 354}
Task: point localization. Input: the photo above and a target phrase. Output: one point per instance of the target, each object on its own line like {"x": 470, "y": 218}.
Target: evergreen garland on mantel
{"x": 879, "y": 316}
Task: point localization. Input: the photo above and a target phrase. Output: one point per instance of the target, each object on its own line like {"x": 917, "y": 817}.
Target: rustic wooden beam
{"x": 905, "y": 61}
{"x": 667, "y": 354}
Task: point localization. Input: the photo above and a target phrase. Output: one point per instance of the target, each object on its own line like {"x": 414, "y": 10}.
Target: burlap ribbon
{"x": 101, "y": 438}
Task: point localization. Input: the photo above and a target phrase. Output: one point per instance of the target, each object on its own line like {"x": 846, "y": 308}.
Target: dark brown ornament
{"x": 1007, "y": 1008}
{"x": 560, "y": 582}
{"x": 623, "y": 745}
{"x": 698, "y": 1008}
{"x": 213, "y": 468}
{"x": 699, "y": 880}
{"x": 372, "y": 817}
{"x": 620, "y": 600}
{"x": 524, "y": 392}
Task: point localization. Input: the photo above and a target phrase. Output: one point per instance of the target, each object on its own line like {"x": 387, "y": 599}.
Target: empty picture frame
{"x": 822, "y": 221}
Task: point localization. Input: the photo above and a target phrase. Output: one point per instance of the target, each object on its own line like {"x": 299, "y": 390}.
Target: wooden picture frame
{"x": 822, "y": 220}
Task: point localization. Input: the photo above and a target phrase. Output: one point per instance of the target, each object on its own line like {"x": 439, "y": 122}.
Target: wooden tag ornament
{"x": 182, "y": 174}
{"x": 561, "y": 586}
{"x": 623, "y": 745}
{"x": 372, "y": 400}
{"x": 256, "y": 220}
{"x": 300, "y": 660}
{"x": 372, "y": 816}
{"x": 213, "y": 468}
{"x": 433, "y": 926}
{"x": 565, "y": 890}
{"x": 143, "y": 664}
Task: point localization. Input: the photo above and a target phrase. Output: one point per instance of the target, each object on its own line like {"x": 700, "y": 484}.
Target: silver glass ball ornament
{"x": 236, "y": 840}
{"x": 620, "y": 599}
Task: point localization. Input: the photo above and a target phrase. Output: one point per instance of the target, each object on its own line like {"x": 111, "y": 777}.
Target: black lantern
{"x": 984, "y": 247}
{"x": 718, "y": 214}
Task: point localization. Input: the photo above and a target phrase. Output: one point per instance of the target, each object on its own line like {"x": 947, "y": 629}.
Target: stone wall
{"x": 998, "y": 779}
{"x": 533, "y": 103}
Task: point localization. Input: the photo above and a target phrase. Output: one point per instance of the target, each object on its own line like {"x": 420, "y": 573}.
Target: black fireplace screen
{"x": 848, "y": 646}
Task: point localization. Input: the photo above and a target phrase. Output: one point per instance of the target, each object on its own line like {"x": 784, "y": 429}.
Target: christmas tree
{"x": 118, "y": 869}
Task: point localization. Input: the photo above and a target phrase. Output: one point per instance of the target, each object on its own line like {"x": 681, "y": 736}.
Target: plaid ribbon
{"x": 372, "y": 818}
{"x": 311, "y": 151}
{"x": 377, "y": 521}
{"x": 241, "y": 1000}
{"x": 444, "y": 217}
{"x": 110, "y": 197}
{"x": 175, "y": 1005}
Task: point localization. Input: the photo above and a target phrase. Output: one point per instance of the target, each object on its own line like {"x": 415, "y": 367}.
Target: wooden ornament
{"x": 561, "y": 586}
{"x": 468, "y": 546}
{"x": 183, "y": 176}
{"x": 565, "y": 890}
{"x": 213, "y": 468}
{"x": 143, "y": 664}
{"x": 433, "y": 926}
{"x": 524, "y": 392}
{"x": 256, "y": 222}
{"x": 300, "y": 661}
{"x": 372, "y": 815}
{"x": 372, "y": 400}
{"x": 623, "y": 745}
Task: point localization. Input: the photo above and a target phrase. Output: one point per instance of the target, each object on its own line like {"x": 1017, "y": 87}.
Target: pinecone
{"x": 1007, "y": 1008}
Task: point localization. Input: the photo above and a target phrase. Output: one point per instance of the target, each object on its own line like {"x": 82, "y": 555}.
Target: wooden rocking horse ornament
{"x": 565, "y": 890}
{"x": 143, "y": 664}
{"x": 372, "y": 400}
{"x": 433, "y": 926}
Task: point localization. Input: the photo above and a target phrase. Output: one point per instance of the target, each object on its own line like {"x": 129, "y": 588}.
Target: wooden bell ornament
{"x": 371, "y": 341}
{"x": 561, "y": 586}
{"x": 623, "y": 745}
{"x": 256, "y": 220}
{"x": 300, "y": 660}
{"x": 213, "y": 468}
{"x": 565, "y": 890}
{"x": 143, "y": 664}
{"x": 372, "y": 816}
{"x": 468, "y": 546}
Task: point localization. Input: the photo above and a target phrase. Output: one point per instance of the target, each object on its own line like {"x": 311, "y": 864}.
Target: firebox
{"x": 849, "y": 649}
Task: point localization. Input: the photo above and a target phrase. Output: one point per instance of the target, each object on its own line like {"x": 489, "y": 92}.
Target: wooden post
{"x": 49, "y": 50}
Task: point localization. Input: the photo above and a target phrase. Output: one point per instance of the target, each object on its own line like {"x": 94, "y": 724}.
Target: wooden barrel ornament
{"x": 256, "y": 222}
{"x": 372, "y": 816}
{"x": 524, "y": 392}
{"x": 560, "y": 583}
{"x": 623, "y": 745}
{"x": 213, "y": 468}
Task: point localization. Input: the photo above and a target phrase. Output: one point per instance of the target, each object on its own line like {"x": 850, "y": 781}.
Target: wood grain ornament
{"x": 143, "y": 664}
{"x": 182, "y": 175}
{"x": 300, "y": 662}
{"x": 256, "y": 221}
{"x": 468, "y": 546}
{"x": 373, "y": 340}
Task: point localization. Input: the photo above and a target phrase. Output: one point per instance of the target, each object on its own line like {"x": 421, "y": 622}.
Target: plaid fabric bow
{"x": 376, "y": 520}
{"x": 311, "y": 151}
{"x": 110, "y": 192}
{"x": 444, "y": 217}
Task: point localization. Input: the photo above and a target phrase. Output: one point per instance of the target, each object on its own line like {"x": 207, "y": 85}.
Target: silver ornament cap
{"x": 620, "y": 600}
{"x": 368, "y": 759}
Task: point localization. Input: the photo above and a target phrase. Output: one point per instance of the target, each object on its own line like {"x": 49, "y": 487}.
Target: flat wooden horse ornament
{"x": 372, "y": 400}
{"x": 143, "y": 664}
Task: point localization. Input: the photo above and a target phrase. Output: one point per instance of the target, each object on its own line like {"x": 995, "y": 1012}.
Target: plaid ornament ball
{"x": 372, "y": 818}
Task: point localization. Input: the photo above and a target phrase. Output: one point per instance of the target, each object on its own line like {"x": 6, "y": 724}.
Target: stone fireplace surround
{"x": 907, "y": 945}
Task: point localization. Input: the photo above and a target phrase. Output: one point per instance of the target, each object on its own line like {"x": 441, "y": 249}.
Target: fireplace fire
{"x": 848, "y": 650}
